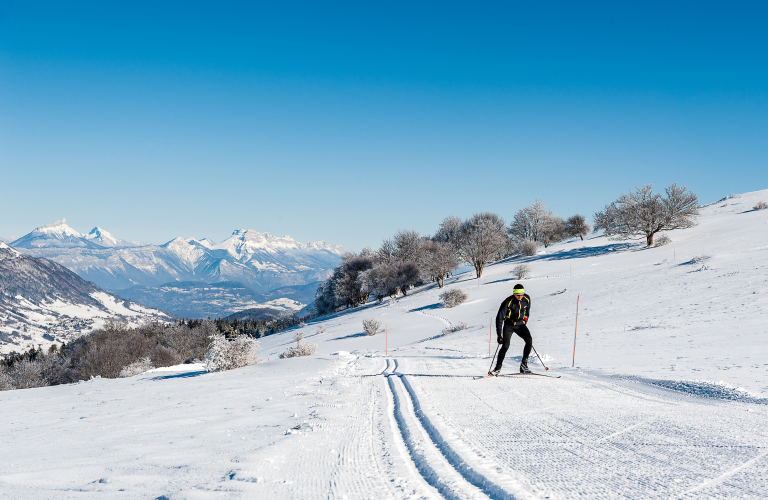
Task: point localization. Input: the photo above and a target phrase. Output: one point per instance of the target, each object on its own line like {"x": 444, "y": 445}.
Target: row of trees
{"x": 399, "y": 263}
{"x": 409, "y": 258}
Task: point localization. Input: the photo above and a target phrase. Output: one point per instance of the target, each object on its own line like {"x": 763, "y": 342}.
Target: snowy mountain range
{"x": 258, "y": 260}
{"x": 42, "y": 302}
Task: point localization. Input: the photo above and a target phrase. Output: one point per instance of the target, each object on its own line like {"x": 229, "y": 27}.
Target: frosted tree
{"x": 449, "y": 231}
{"x": 387, "y": 252}
{"x": 347, "y": 288}
{"x": 642, "y": 214}
{"x": 325, "y": 297}
{"x": 553, "y": 229}
{"x": 529, "y": 222}
{"x": 405, "y": 275}
{"x": 408, "y": 245}
{"x": 438, "y": 260}
{"x": 389, "y": 279}
{"x": 342, "y": 288}
{"x": 577, "y": 225}
{"x": 379, "y": 281}
{"x": 481, "y": 240}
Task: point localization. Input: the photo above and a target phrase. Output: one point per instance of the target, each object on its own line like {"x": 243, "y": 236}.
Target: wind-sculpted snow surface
{"x": 667, "y": 399}
{"x": 701, "y": 388}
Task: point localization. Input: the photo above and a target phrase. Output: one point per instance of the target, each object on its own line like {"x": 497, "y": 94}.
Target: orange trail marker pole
{"x": 490, "y": 335}
{"x": 573, "y": 364}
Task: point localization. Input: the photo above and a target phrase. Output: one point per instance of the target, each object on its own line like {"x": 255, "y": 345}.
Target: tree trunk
{"x": 649, "y": 239}
{"x": 581, "y": 236}
{"x": 479, "y": 269}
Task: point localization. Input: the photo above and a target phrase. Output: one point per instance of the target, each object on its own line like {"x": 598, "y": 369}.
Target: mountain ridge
{"x": 42, "y": 302}
{"x": 259, "y": 260}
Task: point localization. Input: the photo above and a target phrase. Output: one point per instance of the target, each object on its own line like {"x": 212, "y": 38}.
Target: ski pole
{"x": 540, "y": 361}
{"x": 494, "y": 357}
{"x": 575, "y": 331}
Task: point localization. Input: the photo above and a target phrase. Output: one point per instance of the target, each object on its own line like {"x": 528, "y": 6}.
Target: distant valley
{"x": 193, "y": 299}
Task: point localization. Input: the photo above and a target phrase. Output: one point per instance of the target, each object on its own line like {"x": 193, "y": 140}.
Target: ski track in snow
{"x": 611, "y": 444}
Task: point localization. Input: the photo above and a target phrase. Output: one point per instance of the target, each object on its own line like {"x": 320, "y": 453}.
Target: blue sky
{"x": 348, "y": 121}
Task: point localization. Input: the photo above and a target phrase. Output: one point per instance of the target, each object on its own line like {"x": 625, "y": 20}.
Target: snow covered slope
{"x": 259, "y": 260}
{"x": 42, "y": 302}
{"x": 668, "y": 398}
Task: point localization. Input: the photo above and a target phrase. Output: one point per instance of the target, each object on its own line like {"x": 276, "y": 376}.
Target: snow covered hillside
{"x": 668, "y": 397}
{"x": 42, "y": 302}
{"x": 258, "y": 260}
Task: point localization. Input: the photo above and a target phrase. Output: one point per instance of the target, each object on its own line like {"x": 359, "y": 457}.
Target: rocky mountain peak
{"x": 59, "y": 228}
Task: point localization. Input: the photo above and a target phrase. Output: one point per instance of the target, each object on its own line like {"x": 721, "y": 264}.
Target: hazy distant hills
{"x": 193, "y": 299}
{"x": 43, "y": 302}
{"x": 259, "y": 261}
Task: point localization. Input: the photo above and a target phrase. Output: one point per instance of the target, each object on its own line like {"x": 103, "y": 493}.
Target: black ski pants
{"x": 522, "y": 332}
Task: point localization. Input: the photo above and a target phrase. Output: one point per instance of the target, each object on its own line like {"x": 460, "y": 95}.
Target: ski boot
{"x": 524, "y": 367}
{"x": 495, "y": 372}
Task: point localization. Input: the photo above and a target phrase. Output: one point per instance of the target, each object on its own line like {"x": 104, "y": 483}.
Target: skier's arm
{"x": 528, "y": 315}
{"x": 500, "y": 318}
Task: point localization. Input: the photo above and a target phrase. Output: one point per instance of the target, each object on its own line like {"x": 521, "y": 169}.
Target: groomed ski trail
{"x": 592, "y": 437}
{"x": 437, "y": 461}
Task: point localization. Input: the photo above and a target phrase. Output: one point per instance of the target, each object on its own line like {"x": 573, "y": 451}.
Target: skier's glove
{"x": 500, "y": 340}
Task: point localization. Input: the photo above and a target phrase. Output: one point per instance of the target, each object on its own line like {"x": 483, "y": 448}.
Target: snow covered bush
{"x": 453, "y": 297}
{"x": 164, "y": 356}
{"x": 300, "y": 349}
{"x": 698, "y": 259}
{"x": 522, "y": 271}
{"x": 321, "y": 329}
{"x": 761, "y": 205}
{"x": 224, "y": 354}
{"x": 27, "y": 374}
{"x": 137, "y": 368}
{"x": 527, "y": 248}
{"x": 662, "y": 240}
{"x": 372, "y": 326}
{"x": 462, "y": 325}
{"x": 6, "y": 381}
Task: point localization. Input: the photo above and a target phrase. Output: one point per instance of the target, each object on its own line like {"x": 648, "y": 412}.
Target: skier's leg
{"x": 525, "y": 334}
{"x": 506, "y": 336}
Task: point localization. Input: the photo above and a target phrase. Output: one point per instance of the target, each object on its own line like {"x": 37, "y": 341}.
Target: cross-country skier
{"x": 513, "y": 318}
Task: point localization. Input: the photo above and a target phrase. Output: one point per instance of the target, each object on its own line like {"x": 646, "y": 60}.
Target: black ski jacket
{"x": 513, "y": 311}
